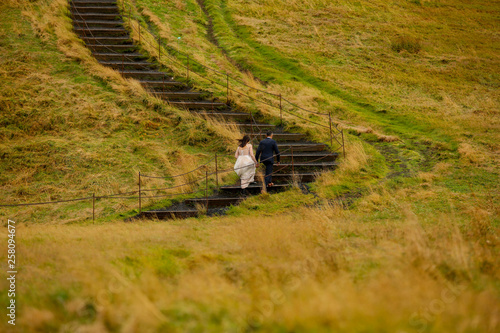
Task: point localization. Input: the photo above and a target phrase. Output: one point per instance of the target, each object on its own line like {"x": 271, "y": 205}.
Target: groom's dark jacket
{"x": 266, "y": 149}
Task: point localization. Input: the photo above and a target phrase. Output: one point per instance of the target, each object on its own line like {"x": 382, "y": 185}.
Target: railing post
{"x": 331, "y": 134}
{"x": 343, "y": 143}
{"x": 216, "y": 173}
{"x": 206, "y": 190}
{"x": 293, "y": 166}
{"x": 281, "y": 113}
{"x": 227, "y": 88}
{"x": 140, "y": 203}
{"x": 93, "y": 207}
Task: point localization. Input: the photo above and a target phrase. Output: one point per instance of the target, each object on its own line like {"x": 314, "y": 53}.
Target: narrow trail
{"x": 213, "y": 39}
{"x": 100, "y": 25}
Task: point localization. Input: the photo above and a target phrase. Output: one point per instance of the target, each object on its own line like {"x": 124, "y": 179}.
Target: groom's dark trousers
{"x": 265, "y": 151}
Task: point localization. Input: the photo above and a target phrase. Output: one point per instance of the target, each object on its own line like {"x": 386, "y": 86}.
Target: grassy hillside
{"x": 403, "y": 237}
{"x": 71, "y": 127}
{"x": 427, "y": 112}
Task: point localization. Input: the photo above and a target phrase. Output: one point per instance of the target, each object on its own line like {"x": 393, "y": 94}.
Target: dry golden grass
{"x": 356, "y": 159}
{"x": 470, "y": 154}
{"x": 316, "y": 269}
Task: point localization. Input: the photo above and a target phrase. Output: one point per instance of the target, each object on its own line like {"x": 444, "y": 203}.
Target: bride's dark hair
{"x": 243, "y": 142}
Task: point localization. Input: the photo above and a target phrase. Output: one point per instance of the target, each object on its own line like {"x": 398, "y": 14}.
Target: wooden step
{"x": 169, "y": 214}
{"x": 98, "y": 23}
{"x": 133, "y": 65}
{"x": 283, "y": 137}
{"x": 96, "y": 16}
{"x": 100, "y": 32}
{"x": 309, "y": 156}
{"x": 158, "y": 85}
{"x": 78, "y": 9}
{"x": 214, "y": 202}
{"x": 93, "y": 3}
{"x": 302, "y": 177}
{"x": 179, "y": 95}
{"x": 253, "y": 188}
{"x": 198, "y": 104}
{"x": 254, "y": 127}
{"x": 302, "y": 146}
{"x": 287, "y": 167}
{"x": 138, "y": 74}
{"x": 115, "y": 48}
{"x": 106, "y": 56}
{"x": 225, "y": 115}
{"x": 100, "y": 40}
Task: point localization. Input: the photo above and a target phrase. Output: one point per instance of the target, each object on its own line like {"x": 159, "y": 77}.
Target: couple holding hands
{"x": 246, "y": 162}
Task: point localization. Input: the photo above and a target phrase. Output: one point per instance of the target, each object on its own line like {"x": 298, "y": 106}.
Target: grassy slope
{"x": 415, "y": 233}
{"x": 441, "y": 102}
{"x": 70, "y": 130}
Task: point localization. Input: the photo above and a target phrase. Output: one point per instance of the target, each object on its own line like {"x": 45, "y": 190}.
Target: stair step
{"x": 169, "y": 214}
{"x": 101, "y": 40}
{"x": 300, "y": 176}
{"x": 285, "y": 137}
{"x": 308, "y": 156}
{"x": 226, "y": 115}
{"x": 214, "y": 202}
{"x": 78, "y": 9}
{"x": 254, "y": 126}
{"x": 101, "y": 29}
{"x": 303, "y": 165}
{"x": 98, "y": 23}
{"x": 97, "y": 16}
{"x": 119, "y": 56}
{"x": 92, "y": 2}
{"x": 253, "y": 188}
{"x": 161, "y": 84}
{"x": 198, "y": 105}
{"x": 176, "y": 95}
{"x": 100, "y": 32}
{"x": 116, "y": 48}
{"x": 144, "y": 74}
{"x": 302, "y": 147}
{"x": 139, "y": 65}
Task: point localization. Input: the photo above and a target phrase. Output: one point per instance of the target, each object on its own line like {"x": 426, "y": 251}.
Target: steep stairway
{"x": 100, "y": 25}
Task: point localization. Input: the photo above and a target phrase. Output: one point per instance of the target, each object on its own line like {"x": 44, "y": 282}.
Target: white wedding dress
{"x": 245, "y": 165}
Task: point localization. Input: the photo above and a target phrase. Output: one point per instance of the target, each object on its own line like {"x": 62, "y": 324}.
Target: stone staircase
{"x": 100, "y": 25}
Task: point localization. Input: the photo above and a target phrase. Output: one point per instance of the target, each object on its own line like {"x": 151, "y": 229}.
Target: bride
{"x": 245, "y": 162}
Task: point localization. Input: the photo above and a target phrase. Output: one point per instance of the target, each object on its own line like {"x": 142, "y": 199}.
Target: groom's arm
{"x": 259, "y": 151}
{"x": 276, "y": 150}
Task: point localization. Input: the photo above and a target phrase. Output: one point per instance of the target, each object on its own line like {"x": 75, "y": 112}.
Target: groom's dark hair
{"x": 269, "y": 133}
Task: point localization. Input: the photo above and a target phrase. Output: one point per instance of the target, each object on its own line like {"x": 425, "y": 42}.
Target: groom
{"x": 265, "y": 151}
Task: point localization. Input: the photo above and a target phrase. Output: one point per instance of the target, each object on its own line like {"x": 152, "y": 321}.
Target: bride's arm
{"x": 237, "y": 153}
